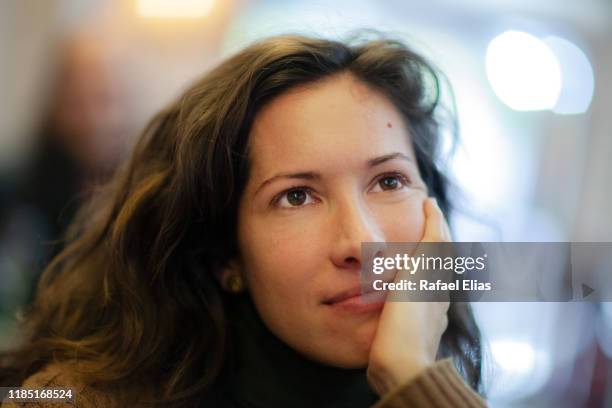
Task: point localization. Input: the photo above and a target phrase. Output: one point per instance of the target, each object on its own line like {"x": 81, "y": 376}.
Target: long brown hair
{"x": 133, "y": 296}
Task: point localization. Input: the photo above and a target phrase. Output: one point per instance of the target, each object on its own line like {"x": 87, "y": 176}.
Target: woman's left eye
{"x": 391, "y": 182}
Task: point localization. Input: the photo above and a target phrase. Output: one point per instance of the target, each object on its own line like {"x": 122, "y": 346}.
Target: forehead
{"x": 332, "y": 124}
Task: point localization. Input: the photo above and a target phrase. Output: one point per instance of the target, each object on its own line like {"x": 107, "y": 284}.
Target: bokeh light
{"x": 577, "y": 74}
{"x": 174, "y": 8}
{"x": 523, "y": 71}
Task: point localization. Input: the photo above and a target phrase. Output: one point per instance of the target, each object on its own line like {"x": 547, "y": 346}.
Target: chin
{"x": 350, "y": 357}
{"x": 353, "y": 362}
{"x": 350, "y": 351}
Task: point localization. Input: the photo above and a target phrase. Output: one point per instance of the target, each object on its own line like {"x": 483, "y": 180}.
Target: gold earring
{"x": 234, "y": 283}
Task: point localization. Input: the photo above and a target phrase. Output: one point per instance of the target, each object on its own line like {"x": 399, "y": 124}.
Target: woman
{"x": 216, "y": 269}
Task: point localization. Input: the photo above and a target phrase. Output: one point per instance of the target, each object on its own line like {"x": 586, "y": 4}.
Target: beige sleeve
{"x": 439, "y": 386}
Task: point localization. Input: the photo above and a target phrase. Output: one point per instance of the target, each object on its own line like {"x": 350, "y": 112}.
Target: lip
{"x": 354, "y": 300}
{"x": 344, "y": 295}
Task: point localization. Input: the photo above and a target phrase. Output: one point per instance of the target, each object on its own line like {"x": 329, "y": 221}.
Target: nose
{"x": 354, "y": 224}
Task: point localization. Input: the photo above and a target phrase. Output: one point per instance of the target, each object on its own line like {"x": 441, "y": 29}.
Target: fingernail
{"x": 434, "y": 200}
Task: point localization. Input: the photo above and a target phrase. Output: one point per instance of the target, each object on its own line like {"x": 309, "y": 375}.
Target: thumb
{"x": 436, "y": 228}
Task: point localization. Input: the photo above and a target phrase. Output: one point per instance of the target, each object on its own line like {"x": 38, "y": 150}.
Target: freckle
{"x": 389, "y": 125}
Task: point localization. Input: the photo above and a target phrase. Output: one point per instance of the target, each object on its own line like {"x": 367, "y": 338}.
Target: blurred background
{"x": 533, "y": 88}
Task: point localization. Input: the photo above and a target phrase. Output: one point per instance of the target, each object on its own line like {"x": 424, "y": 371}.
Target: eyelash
{"x": 405, "y": 180}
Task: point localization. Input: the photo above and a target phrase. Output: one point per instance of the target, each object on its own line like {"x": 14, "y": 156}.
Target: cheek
{"x": 280, "y": 259}
{"x": 404, "y": 222}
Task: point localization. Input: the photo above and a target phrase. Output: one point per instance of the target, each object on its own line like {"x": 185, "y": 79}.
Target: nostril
{"x": 351, "y": 260}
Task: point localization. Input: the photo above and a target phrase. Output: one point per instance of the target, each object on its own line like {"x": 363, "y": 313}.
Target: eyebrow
{"x": 379, "y": 160}
{"x": 310, "y": 175}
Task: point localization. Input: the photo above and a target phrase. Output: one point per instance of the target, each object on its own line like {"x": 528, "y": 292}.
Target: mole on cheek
{"x": 389, "y": 125}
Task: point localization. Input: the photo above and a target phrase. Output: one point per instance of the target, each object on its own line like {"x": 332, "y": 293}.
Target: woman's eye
{"x": 391, "y": 182}
{"x": 296, "y": 197}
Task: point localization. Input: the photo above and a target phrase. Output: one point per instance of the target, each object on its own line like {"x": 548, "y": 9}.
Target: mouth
{"x": 356, "y": 300}
{"x": 343, "y": 295}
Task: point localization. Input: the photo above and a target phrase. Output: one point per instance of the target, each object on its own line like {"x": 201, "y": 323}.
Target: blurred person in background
{"x": 78, "y": 146}
{"x": 196, "y": 279}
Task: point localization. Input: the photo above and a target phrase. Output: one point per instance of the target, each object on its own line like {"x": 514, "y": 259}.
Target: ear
{"x": 231, "y": 278}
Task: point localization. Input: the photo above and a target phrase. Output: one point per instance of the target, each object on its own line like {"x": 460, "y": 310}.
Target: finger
{"x": 431, "y": 222}
{"x": 444, "y": 306}
{"x": 436, "y": 228}
{"x": 442, "y": 310}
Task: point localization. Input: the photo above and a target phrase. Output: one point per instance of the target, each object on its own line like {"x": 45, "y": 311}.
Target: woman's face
{"x": 331, "y": 167}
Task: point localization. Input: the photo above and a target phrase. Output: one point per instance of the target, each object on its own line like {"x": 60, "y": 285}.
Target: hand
{"x": 408, "y": 334}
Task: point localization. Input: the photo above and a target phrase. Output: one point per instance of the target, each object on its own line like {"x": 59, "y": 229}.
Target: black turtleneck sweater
{"x": 265, "y": 372}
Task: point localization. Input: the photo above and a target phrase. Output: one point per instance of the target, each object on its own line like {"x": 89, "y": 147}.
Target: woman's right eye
{"x": 295, "y": 197}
